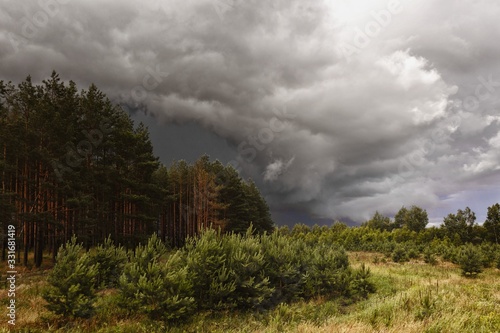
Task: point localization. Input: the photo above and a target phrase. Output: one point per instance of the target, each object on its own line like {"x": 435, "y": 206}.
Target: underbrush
{"x": 413, "y": 296}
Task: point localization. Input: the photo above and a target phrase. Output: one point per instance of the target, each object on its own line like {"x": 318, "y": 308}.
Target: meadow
{"x": 411, "y": 297}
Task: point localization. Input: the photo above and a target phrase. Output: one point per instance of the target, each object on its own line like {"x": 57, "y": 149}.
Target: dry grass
{"x": 425, "y": 298}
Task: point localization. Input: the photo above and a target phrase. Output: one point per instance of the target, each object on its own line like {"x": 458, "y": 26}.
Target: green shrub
{"x": 429, "y": 257}
{"x": 488, "y": 254}
{"x": 413, "y": 252}
{"x": 327, "y": 272}
{"x": 206, "y": 259}
{"x": 387, "y": 248}
{"x": 245, "y": 260}
{"x": 285, "y": 262}
{"x": 111, "y": 260}
{"x": 361, "y": 285}
{"x": 451, "y": 254}
{"x": 227, "y": 271}
{"x": 469, "y": 259}
{"x": 161, "y": 290}
{"x": 399, "y": 254}
{"x": 152, "y": 251}
{"x": 71, "y": 282}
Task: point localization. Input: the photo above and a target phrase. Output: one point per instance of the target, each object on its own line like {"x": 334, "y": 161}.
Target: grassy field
{"x": 410, "y": 297}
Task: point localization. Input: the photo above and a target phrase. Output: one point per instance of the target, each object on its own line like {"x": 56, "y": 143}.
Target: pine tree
{"x": 161, "y": 290}
{"x": 469, "y": 259}
{"x": 111, "y": 260}
{"x": 233, "y": 196}
{"x": 258, "y": 210}
{"x": 71, "y": 282}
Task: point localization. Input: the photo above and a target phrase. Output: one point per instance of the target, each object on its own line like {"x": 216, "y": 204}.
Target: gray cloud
{"x": 403, "y": 117}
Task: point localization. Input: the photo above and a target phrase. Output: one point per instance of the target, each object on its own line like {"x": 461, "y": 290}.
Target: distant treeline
{"x": 72, "y": 163}
{"x": 458, "y": 240}
{"x": 409, "y": 225}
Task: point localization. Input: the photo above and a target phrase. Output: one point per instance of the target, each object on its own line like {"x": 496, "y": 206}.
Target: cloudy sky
{"x": 335, "y": 108}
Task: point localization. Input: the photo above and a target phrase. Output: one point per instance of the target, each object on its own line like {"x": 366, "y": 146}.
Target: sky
{"x": 335, "y": 108}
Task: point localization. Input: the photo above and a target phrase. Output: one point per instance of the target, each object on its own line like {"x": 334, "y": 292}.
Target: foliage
{"x": 111, "y": 260}
{"x": 160, "y": 290}
{"x": 207, "y": 269}
{"x": 361, "y": 284}
{"x": 327, "y": 271}
{"x": 469, "y": 259}
{"x": 399, "y": 254}
{"x": 414, "y": 219}
{"x": 460, "y": 225}
{"x": 143, "y": 255}
{"x": 71, "y": 282}
{"x": 378, "y": 221}
{"x": 285, "y": 265}
{"x": 81, "y": 159}
{"x": 227, "y": 271}
{"x": 488, "y": 254}
{"x": 427, "y": 304}
{"x": 410, "y": 297}
{"x": 492, "y": 223}
{"x": 245, "y": 258}
{"x": 429, "y": 256}
{"x": 72, "y": 162}
{"x": 224, "y": 272}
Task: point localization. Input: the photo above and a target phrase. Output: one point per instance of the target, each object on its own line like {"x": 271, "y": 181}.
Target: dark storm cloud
{"x": 337, "y": 108}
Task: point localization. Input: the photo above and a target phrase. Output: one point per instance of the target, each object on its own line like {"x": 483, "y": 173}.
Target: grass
{"x": 411, "y": 297}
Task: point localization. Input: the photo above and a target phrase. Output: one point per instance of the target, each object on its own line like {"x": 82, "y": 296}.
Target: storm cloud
{"x": 336, "y": 108}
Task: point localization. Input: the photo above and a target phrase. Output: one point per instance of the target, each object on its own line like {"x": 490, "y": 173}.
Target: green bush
{"x": 469, "y": 259}
{"x": 71, "y": 282}
{"x": 451, "y": 254}
{"x": 111, "y": 260}
{"x": 399, "y": 254}
{"x": 327, "y": 272}
{"x": 285, "y": 264}
{"x": 488, "y": 254}
{"x": 227, "y": 271}
{"x": 387, "y": 248}
{"x": 361, "y": 285}
{"x": 152, "y": 251}
{"x": 206, "y": 259}
{"x": 413, "y": 252}
{"x": 161, "y": 290}
{"x": 245, "y": 260}
{"x": 212, "y": 272}
{"x": 429, "y": 257}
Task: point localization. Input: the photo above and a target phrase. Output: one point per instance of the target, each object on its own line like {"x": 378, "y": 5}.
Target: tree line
{"x": 72, "y": 163}
{"x": 460, "y": 227}
{"x": 459, "y": 239}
